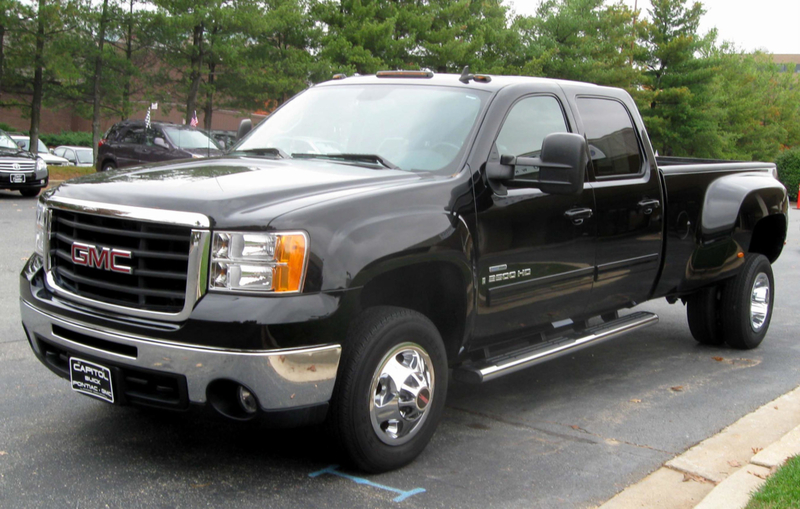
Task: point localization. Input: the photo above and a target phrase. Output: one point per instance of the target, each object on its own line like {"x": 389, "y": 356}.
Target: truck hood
{"x": 241, "y": 192}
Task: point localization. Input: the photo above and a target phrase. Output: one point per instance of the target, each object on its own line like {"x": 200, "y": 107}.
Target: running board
{"x": 496, "y": 367}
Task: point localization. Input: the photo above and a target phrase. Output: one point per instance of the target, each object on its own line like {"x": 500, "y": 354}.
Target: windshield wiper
{"x": 270, "y": 151}
{"x": 365, "y": 158}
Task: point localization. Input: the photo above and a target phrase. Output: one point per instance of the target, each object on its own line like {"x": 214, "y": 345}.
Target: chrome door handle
{"x": 648, "y": 206}
{"x": 577, "y": 216}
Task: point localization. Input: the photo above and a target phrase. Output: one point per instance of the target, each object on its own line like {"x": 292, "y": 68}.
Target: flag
{"x": 194, "y": 121}
{"x": 147, "y": 119}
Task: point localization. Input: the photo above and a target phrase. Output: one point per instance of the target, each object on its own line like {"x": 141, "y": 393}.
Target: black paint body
{"x": 430, "y": 241}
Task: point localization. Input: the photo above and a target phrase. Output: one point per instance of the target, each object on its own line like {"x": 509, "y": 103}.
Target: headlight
{"x": 41, "y": 213}
{"x": 263, "y": 262}
{"x": 197, "y": 156}
{"x": 40, "y": 164}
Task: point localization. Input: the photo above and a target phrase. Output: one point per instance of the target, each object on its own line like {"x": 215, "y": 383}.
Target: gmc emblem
{"x": 100, "y": 257}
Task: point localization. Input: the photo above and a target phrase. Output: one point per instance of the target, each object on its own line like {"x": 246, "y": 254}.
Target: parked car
{"x": 77, "y": 156}
{"x": 52, "y": 160}
{"x": 129, "y": 142}
{"x": 474, "y": 225}
{"x": 19, "y": 169}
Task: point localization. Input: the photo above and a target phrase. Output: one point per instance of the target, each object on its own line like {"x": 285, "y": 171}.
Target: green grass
{"x": 68, "y": 172}
{"x": 782, "y": 490}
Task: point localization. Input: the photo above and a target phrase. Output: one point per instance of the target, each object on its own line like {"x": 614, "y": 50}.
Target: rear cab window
{"x": 614, "y": 148}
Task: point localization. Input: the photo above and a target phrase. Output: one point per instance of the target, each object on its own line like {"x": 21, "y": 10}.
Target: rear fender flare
{"x": 740, "y": 199}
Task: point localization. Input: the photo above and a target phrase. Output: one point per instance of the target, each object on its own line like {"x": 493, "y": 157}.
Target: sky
{"x": 769, "y": 25}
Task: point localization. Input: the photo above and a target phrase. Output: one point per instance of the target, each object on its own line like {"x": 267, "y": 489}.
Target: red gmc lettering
{"x": 101, "y": 258}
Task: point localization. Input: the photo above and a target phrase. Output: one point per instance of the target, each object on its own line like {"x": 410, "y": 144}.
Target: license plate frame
{"x": 92, "y": 379}
{"x": 17, "y": 178}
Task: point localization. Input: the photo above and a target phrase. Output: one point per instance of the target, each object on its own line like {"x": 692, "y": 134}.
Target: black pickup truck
{"x": 376, "y": 237}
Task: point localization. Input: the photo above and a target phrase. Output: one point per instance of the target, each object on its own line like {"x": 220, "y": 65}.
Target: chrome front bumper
{"x": 280, "y": 379}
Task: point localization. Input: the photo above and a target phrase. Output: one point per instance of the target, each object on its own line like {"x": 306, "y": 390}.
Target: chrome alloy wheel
{"x": 401, "y": 392}
{"x": 759, "y": 302}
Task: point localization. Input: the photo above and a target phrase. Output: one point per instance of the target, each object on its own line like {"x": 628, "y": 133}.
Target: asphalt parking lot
{"x": 570, "y": 433}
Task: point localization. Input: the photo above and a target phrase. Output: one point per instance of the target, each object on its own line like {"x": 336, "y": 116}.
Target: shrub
{"x": 79, "y": 138}
{"x": 788, "y": 163}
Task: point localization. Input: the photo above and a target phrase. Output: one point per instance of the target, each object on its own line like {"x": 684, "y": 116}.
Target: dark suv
{"x": 130, "y": 142}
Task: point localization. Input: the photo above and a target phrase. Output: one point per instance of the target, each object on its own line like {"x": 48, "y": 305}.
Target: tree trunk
{"x": 195, "y": 74}
{"x": 98, "y": 73}
{"x": 36, "y": 103}
{"x": 209, "y": 109}
{"x": 126, "y": 91}
{"x": 2, "y": 57}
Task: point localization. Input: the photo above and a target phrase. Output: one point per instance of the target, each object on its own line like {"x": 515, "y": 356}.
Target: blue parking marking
{"x": 402, "y": 494}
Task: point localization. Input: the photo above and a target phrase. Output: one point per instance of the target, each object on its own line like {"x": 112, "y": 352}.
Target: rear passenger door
{"x": 628, "y": 200}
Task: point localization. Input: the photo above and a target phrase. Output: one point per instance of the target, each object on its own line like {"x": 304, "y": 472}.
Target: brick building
{"x": 66, "y": 119}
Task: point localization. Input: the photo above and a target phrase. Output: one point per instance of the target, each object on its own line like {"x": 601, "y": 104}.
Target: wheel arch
{"x": 741, "y": 201}
{"x": 440, "y": 290}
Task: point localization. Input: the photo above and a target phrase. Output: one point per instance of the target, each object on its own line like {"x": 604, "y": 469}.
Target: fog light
{"x": 247, "y": 401}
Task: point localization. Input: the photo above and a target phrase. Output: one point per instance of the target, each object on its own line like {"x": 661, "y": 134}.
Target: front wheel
{"x": 391, "y": 389}
{"x": 747, "y": 302}
{"x": 108, "y": 166}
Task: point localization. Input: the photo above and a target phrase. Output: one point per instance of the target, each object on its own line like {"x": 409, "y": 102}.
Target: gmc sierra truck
{"x": 378, "y": 236}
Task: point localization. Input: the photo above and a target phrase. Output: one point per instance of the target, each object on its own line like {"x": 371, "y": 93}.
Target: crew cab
{"x": 377, "y": 237}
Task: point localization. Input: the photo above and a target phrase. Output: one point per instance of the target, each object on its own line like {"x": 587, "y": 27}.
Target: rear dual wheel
{"x": 737, "y": 312}
{"x": 390, "y": 392}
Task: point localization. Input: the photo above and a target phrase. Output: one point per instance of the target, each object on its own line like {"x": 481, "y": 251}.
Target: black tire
{"x": 108, "y": 165}
{"x": 703, "y": 312}
{"x": 373, "y": 337}
{"x": 737, "y": 325}
{"x": 29, "y": 193}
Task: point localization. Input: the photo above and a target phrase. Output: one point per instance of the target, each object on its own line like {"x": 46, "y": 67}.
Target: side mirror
{"x": 160, "y": 142}
{"x": 245, "y": 126}
{"x": 51, "y": 151}
{"x": 559, "y": 169}
{"x": 72, "y": 160}
{"x": 21, "y": 144}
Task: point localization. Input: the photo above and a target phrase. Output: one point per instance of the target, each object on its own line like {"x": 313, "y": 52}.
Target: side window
{"x": 70, "y": 155}
{"x": 528, "y": 123}
{"x": 135, "y": 135}
{"x": 151, "y": 134}
{"x": 112, "y": 133}
{"x": 59, "y": 152}
{"x": 613, "y": 145}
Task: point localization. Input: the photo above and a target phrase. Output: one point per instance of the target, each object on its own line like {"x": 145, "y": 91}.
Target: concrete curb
{"x": 723, "y": 470}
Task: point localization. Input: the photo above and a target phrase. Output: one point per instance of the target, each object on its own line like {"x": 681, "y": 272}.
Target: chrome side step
{"x": 490, "y": 369}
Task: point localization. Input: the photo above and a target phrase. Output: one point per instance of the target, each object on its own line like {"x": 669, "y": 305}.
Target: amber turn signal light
{"x": 290, "y": 255}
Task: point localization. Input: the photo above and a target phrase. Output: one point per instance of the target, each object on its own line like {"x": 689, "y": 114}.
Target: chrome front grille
{"x": 15, "y": 166}
{"x": 167, "y": 258}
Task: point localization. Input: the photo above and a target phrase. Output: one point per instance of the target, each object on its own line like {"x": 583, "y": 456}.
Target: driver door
{"x": 536, "y": 250}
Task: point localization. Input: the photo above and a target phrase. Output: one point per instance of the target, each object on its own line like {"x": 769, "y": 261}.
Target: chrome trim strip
{"x": 280, "y": 379}
{"x": 561, "y": 347}
{"x": 172, "y": 217}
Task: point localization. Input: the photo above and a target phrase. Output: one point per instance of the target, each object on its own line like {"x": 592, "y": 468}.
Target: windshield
{"x": 190, "y": 138}
{"x": 26, "y": 142}
{"x": 7, "y": 142}
{"x": 413, "y": 127}
{"x": 84, "y": 156}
